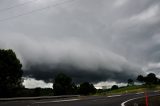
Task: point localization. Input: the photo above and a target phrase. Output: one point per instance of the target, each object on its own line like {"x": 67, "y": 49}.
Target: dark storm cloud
{"x": 93, "y": 40}
{"x": 40, "y": 72}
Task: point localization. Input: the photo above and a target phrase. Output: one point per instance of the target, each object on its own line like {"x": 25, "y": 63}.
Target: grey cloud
{"x": 90, "y": 39}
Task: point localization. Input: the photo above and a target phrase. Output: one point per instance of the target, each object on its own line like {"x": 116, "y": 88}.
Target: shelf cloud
{"x": 89, "y": 40}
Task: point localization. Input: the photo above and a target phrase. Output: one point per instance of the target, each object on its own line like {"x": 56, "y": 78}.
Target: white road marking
{"x": 140, "y": 93}
{"x": 35, "y": 98}
{"x": 94, "y": 100}
{"x": 99, "y": 100}
{"x": 156, "y": 91}
{"x": 113, "y": 96}
{"x": 123, "y": 104}
{"x": 56, "y": 101}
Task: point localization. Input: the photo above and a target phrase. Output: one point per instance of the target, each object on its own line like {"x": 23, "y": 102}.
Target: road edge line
{"x": 113, "y": 96}
{"x": 57, "y": 101}
{"x": 123, "y": 103}
{"x": 38, "y": 98}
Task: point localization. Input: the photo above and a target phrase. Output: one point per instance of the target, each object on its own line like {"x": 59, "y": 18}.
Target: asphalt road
{"x": 81, "y": 101}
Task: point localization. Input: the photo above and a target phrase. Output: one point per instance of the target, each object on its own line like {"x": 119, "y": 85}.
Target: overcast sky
{"x": 89, "y": 40}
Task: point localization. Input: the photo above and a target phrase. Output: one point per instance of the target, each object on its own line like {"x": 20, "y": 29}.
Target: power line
{"x": 16, "y": 5}
{"x": 36, "y": 10}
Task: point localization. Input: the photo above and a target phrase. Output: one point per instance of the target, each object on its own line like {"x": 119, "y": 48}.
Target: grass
{"x": 131, "y": 89}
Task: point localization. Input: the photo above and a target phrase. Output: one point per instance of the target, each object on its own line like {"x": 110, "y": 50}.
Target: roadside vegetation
{"x": 129, "y": 89}
{"x": 149, "y": 83}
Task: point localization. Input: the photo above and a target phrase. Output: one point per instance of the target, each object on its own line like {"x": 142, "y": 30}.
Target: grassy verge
{"x": 131, "y": 89}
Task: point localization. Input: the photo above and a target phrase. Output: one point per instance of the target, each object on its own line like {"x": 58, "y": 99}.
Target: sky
{"x": 100, "y": 41}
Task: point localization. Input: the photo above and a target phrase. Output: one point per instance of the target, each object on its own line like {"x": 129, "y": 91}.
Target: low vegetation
{"x": 149, "y": 83}
{"x": 133, "y": 89}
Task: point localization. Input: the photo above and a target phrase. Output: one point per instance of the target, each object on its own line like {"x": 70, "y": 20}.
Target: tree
{"x": 151, "y": 79}
{"x": 130, "y": 82}
{"x": 114, "y": 87}
{"x": 140, "y": 78}
{"x": 37, "y": 91}
{"x": 63, "y": 85}
{"x": 10, "y": 73}
{"x": 86, "y": 88}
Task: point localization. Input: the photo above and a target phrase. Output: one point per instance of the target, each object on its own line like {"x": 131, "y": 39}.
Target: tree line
{"x": 149, "y": 79}
{"x": 63, "y": 85}
{"x": 11, "y": 81}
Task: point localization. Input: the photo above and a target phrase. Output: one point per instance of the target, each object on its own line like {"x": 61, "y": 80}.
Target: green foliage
{"x": 149, "y": 79}
{"x": 10, "y": 73}
{"x": 114, "y": 87}
{"x": 140, "y": 78}
{"x": 86, "y": 88}
{"x": 25, "y": 92}
{"x": 42, "y": 92}
{"x": 63, "y": 85}
{"x": 126, "y": 89}
{"x": 130, "y": 82}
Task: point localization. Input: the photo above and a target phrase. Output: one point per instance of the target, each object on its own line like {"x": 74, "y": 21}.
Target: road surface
{"x": 115, "y": 100}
